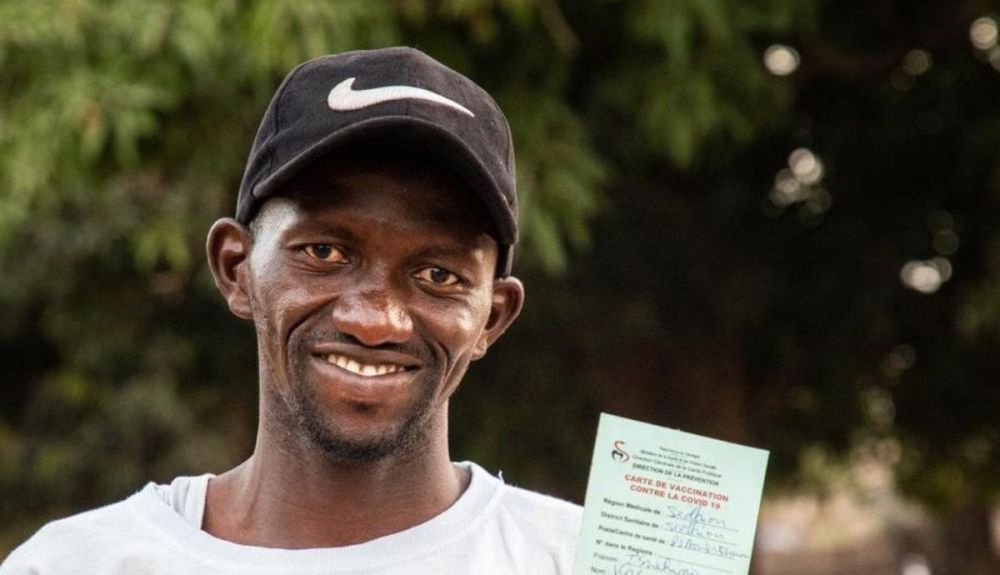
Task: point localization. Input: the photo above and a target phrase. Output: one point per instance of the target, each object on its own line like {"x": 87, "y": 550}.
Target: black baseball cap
{"x": 397, "y": 97}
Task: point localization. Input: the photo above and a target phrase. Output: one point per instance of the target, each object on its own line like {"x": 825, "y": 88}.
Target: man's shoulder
{"x": 538, "y": 532}
{"x": 521, "y": 500}
{"x": 67, "y": 539}
{"x": 542, "y": 515}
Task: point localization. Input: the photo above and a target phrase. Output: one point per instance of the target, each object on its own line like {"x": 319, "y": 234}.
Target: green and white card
{"x": 662, "y": 501}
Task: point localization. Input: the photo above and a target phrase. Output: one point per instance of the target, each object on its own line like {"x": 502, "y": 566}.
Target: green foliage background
{"x": 662, "y": 283}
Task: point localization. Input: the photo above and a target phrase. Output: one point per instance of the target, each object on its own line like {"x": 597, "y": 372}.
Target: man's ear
{"x": 508, "y": 299}
{"x": 228, "y": 247}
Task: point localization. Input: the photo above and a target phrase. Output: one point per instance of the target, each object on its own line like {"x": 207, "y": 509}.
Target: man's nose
{"x": 373, "y": 317}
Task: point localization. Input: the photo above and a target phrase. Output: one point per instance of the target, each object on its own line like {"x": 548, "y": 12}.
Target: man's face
{"x": 371, "y": 288}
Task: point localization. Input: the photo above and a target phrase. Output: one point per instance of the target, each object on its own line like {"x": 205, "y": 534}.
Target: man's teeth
{"x": 363, "y": 369}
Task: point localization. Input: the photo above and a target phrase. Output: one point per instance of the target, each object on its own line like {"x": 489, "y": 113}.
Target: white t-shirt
{"x": 492, "y": 528}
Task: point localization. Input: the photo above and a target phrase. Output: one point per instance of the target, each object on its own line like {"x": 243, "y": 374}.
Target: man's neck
{"x": 295, "y": 498}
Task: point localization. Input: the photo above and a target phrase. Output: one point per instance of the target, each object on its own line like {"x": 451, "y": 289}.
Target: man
{"x": 372, "y": 250}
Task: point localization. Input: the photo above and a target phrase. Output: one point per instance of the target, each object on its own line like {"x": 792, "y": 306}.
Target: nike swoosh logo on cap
{"x": 344, "y": 98}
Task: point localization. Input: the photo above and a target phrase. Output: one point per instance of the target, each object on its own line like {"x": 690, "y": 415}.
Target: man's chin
{"x": 358, "y": 447}
{"x": 356, "y": 453}
{"x": 360, "y": 432}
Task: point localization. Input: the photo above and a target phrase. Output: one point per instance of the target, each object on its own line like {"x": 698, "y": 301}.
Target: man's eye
{"x": 438, "y": 276}
{"x": 324, "y": 252}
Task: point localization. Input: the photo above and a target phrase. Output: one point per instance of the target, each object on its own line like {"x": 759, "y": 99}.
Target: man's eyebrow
{"x": 459, "y": 250}
{"x": 321, "y": 229}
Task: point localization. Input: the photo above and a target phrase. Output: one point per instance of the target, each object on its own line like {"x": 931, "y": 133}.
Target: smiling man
{"x": 372, "y": 250}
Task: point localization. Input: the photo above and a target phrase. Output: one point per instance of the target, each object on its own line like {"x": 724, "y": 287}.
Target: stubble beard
{"x": 341, "y": 446}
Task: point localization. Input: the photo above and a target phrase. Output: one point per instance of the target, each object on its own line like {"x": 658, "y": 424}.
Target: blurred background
{"x": 775, "y": 222}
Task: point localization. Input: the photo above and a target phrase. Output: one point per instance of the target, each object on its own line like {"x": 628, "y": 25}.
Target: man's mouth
{"x": 363, "y": 369}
